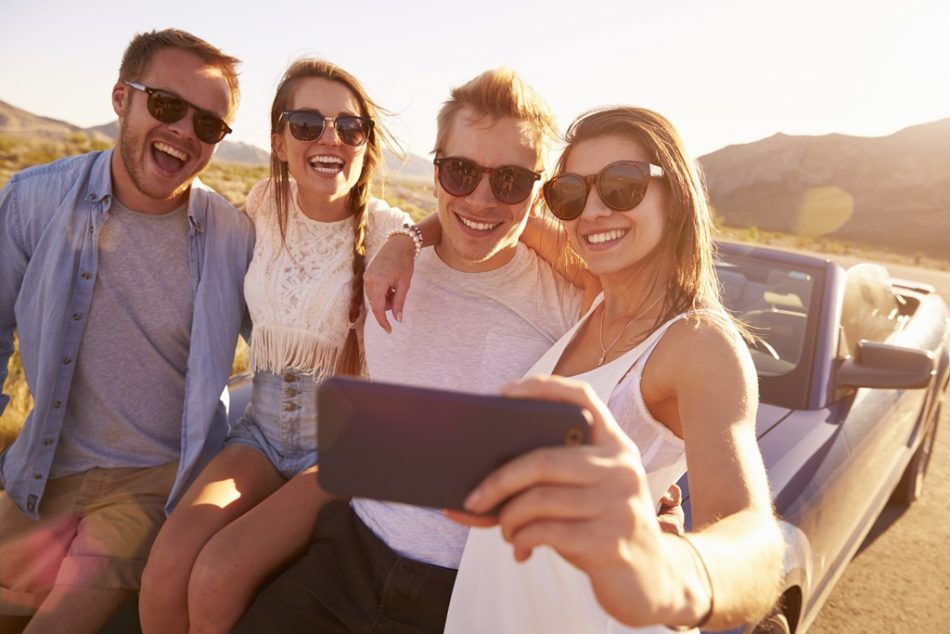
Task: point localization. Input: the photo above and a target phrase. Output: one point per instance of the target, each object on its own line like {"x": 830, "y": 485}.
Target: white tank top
{"x": 495, "y": 594}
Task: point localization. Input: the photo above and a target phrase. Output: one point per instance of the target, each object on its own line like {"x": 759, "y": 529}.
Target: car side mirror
{"x": 885, "y": 366}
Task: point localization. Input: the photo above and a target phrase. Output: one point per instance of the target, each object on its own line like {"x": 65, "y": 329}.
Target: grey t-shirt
{"x": 127, "y": 393}
{"x": 462, "y": 331}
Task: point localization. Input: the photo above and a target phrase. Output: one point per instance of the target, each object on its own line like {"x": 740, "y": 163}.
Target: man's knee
{"x": 31, "y": 553}
{"x": 78, "y": 609}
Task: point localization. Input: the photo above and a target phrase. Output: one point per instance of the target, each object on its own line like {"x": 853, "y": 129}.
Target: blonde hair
{"x": 498, "y": 93}
{"x": 350, "y": 361}
{"x": 144, "y": 46}
{"x": 687, "y": 249}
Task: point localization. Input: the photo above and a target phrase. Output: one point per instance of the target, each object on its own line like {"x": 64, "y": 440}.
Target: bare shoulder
{"x": 701, "y": 337}
{"x": 701, "y": 350}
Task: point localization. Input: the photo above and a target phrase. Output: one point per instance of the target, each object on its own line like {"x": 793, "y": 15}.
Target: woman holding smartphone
{"x": 254, "y": 506}
{"x": 665, "y": 374}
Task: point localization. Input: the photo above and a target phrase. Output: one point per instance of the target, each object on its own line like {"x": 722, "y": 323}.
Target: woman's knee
{"x": 216, "y": 572}
{"x": 219, "y": 588}
{"x": 170, "y": 560}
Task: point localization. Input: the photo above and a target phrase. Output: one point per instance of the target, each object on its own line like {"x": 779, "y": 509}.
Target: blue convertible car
{"x": 852, "y": 369}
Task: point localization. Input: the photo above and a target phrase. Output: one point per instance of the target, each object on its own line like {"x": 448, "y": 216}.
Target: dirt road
{"x": 899, "y": 582}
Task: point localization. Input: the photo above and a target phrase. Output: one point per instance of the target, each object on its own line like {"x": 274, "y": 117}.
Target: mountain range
{"x": 888, "y": 192}
{"x": 891, "y": 191}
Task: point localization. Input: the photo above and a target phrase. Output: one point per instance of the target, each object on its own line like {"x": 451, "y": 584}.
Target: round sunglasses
{"x": 169, "y": 108}
{"x": 620, "y": 185}
{"x": 309, "y": 125}
{"x": 510, "y": 184}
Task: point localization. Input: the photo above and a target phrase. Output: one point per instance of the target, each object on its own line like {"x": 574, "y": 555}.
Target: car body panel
{"x": 833, "y": 454}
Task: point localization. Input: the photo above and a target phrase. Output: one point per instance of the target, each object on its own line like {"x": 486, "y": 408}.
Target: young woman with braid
{"x": 254, "y": 506}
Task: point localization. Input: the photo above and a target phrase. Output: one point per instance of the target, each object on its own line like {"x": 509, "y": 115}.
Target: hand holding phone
{"x": 428, "y": 447}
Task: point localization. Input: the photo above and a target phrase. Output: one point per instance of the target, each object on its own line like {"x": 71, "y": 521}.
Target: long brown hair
{"x": 687, "y": 247}
{"x": 350, "y": 360}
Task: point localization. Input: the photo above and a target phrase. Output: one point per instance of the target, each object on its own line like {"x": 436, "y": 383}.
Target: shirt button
{"x": 76, "y": 316}
{"x": 289, "y": 407}
{"x": 289, "y": 376}
{"x": 37, "y": 476}
{"x": 57, "y": 404}
{"x": 86, "y": 275}
{"x": 47, "y": 442}
{"x": 67, "y": 360}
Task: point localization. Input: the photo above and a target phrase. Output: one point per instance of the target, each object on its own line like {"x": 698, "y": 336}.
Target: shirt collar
{"x": 99, "y": 187}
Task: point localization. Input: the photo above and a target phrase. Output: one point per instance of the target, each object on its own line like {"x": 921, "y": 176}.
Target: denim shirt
{"x": 50, "y": 219}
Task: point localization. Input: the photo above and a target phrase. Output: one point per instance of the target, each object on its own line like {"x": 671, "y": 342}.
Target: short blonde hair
{"x": 497, "y": 93}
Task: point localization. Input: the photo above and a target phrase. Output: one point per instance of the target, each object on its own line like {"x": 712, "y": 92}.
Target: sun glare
{"x": 221, "y": 493}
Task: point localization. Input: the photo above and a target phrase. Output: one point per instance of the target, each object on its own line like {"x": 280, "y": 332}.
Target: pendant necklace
{"x": 606, "y": 349}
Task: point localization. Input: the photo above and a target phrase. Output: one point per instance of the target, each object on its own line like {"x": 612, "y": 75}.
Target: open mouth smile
{"x": 326, "y": 164}
{"x": 605, "y": 237}
{"x": 167, "y": 158}
{"x": 477, "y": 226}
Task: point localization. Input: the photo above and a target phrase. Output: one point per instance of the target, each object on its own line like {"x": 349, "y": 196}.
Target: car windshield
{"x": 772, "y": 301}
{"x": 777, "y": 295}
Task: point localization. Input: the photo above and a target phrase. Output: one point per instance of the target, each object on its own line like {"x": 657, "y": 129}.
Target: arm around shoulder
{"x": 549, "y": 240}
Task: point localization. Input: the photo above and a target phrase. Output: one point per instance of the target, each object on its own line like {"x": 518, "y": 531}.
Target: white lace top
{"x": 298, "y": 293}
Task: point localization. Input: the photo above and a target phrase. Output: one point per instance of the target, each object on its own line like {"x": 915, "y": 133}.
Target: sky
{"x": 726, "y": 72}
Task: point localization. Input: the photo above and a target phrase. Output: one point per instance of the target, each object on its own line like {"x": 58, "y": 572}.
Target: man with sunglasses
{"x": 122, "y": 276}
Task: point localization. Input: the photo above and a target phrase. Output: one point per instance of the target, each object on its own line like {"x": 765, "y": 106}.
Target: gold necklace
{"x": 605, "y": 349}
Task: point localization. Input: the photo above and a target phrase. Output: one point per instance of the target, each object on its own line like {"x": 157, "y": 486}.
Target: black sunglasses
{"x": 510, "y": 184}
{"x": 169, "y": 108}
{"x": 308, "y": 125}
{"x": 621, "y": 186}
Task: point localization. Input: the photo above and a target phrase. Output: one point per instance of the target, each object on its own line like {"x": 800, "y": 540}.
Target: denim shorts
{"x": 281, "y": 421}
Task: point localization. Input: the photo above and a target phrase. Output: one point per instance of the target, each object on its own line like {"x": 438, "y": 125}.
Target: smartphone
{"x": 428, "y": 447}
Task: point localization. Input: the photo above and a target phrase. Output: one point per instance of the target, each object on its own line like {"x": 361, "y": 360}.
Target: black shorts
{"x": 351, "y": 581}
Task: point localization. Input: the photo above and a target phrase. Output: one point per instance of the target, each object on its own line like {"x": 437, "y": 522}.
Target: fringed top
{"x": 298, "y": 293}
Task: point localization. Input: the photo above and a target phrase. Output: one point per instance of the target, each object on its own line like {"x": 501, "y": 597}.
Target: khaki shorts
{"x": 95, "y": 531}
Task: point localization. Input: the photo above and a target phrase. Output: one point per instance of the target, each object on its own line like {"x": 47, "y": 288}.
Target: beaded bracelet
{"x": 413, "y": 232}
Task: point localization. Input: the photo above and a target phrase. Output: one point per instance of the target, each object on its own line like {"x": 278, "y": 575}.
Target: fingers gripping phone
{"x": 428, "y": 447}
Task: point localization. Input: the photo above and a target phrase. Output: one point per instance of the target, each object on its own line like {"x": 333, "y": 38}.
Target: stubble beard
{"x": 132, "y": 147}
